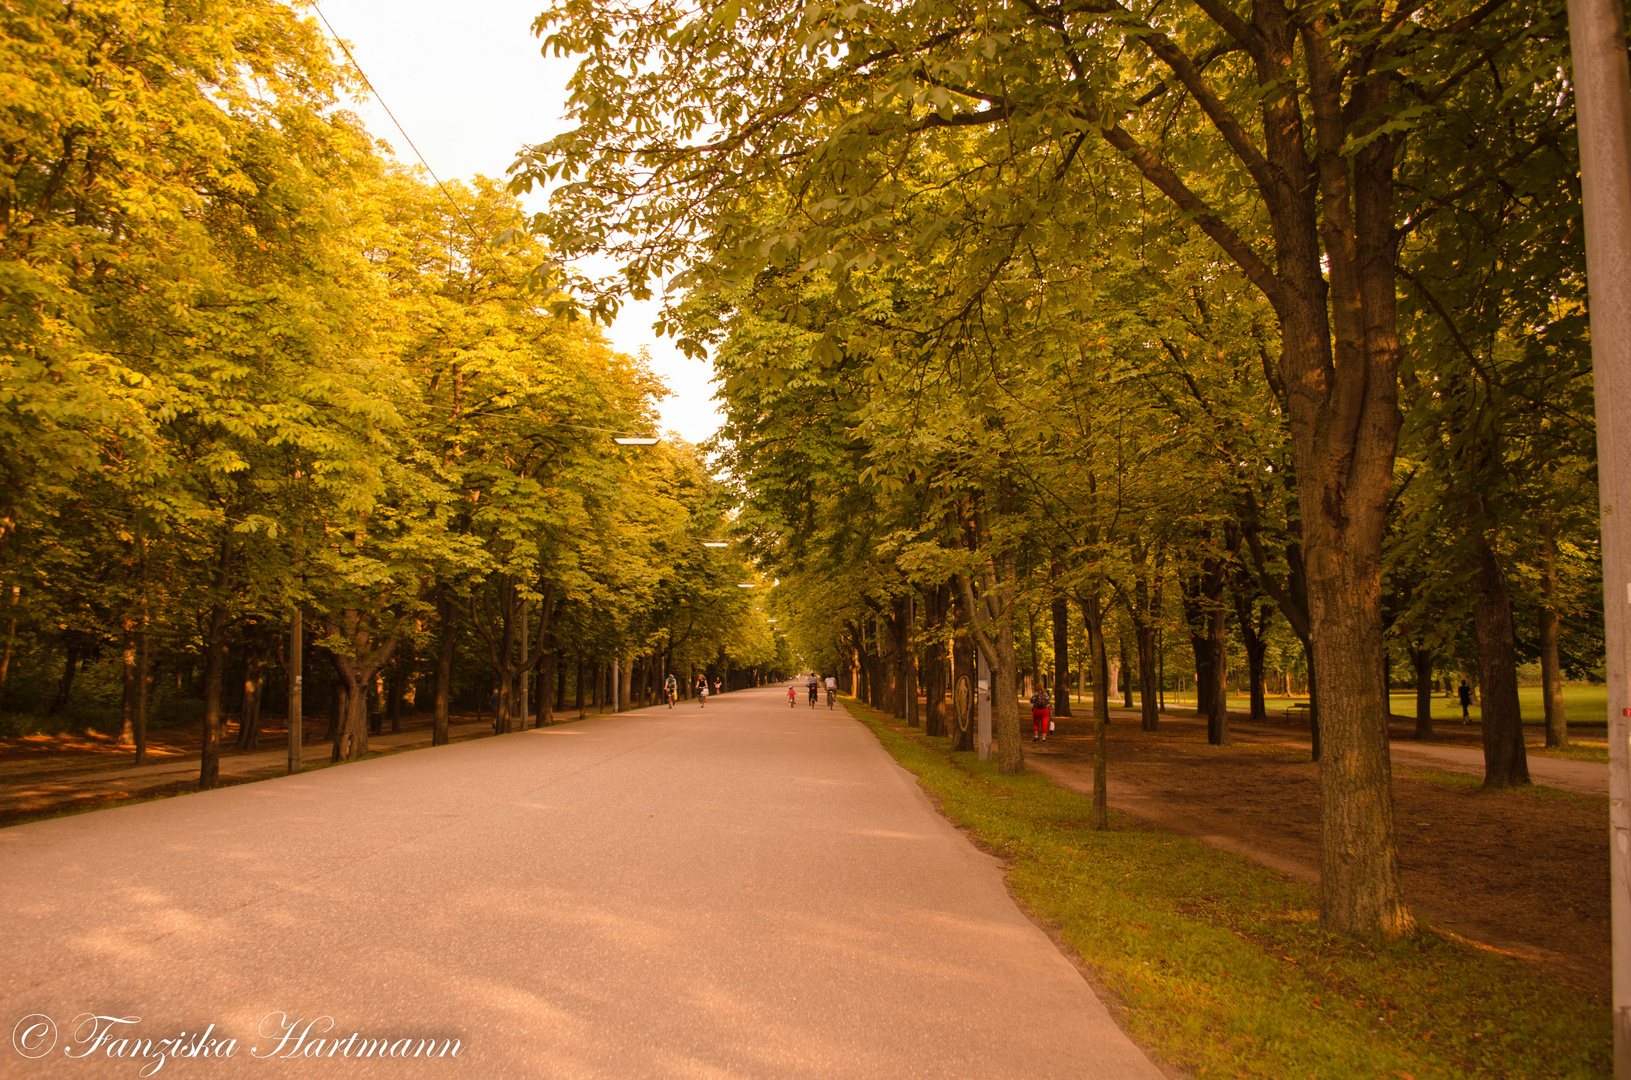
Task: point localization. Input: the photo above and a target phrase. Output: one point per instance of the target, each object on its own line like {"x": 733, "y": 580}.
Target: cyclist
{"x": 671, "y": 689}
{"x": 792, "y": 695}
{"x": 832, "y": 690}
{"x": 702, "y": 690}
{"x": 813, "y": 685}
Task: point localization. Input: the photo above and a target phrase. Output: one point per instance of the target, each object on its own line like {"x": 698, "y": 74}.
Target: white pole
{"x": 1603, "y": 104}
{"x": 617, "y": 681}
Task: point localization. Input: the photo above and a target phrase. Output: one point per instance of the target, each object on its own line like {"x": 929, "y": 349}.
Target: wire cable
{"x": 340, "y": 41}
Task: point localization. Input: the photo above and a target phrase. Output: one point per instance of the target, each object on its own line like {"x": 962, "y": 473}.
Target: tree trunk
{"x": 1421, "y": 659}
{"x": 1093, "y": 619}
{"x": 249, "y": 710}
{"x": 1061, "y": 656}
{"x": 1252, "y": 618}
{"x": 144, "y": 677}
{"x": 934, "y": 660}
{"x": 1551, "y": 671}
{"x": 447, "y": 639}
{"x": 1144, "y": 691}
{"x": 357, "y": 668}
{"x": 1148, "y": 680}
{"x": 215, "y": 662}
{"x": 65, "y": 685}
{"x": 395, "y": 687}
{"x": 127, "y": 700}
{"x": 1506, "y": 762}
{"x": 1217, "y": 716}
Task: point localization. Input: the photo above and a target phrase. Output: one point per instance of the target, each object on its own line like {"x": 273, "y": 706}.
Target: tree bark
{"x": 1061, "y": 655}
{"x": 1506, "y": 762}
{"x": 215, "y": 660}
{"x": 1252, "y": 618}
{"x": 934, "y": 660}
{"x": 356, "y": 666}
{"x": 65, "y": 684}
{"x": 1551, "y": 671}
{"x": 249, "y": 710}
{"x": 447, "y": 639}
{"x": 127, "y": 700}
{"x": 1421, "y": 659}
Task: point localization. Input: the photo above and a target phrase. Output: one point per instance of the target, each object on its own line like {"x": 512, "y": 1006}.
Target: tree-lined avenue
{"x": 737, "y": 890}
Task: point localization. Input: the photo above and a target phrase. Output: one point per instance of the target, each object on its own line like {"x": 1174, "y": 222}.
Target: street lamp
{"x": 637, "y": 440}
{"x": 716, "y": 543}
{"x": 747, "y": 584}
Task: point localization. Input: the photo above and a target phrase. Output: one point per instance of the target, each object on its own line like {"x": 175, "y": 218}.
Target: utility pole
{"x": 1602, "y": 93}
{"x": 297, "y": 722}
{"x": 526, "y": 676}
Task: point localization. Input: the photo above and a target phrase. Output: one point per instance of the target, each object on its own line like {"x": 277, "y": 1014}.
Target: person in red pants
{"x": 1039, "y": 716}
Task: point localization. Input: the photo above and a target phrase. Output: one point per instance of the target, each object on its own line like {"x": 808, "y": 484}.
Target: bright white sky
{"x": 470, "y": 85}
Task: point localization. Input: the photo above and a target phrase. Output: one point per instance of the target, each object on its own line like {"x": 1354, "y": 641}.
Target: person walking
{"x": 671, "y": 689}
{"x": 718, "y": 683}
{"x": 1464, "y": 692}
{"x": 1039, "y": 716}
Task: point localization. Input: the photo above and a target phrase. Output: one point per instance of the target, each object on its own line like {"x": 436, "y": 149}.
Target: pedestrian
{"x": 1039, "y": 716}
{"x": 1465, "y": 694}
{"x": 718, "y": 682}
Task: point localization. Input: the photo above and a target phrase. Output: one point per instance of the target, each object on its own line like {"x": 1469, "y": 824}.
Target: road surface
{"x": 745, "y": 890}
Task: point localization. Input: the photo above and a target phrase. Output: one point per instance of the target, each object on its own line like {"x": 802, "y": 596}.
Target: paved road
{"x": 741, "y": 891}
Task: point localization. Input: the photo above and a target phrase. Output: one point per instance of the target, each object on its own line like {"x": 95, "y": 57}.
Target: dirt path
{"x": 44, "y": 775}
{"x": 1522, "y": 872}
{"x": 1585, "y": 777}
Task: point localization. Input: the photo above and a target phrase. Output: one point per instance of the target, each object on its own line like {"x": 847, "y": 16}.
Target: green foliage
{"x": 1219, "y": 965}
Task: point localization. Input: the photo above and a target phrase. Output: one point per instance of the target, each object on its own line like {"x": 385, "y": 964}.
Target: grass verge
{"x": 1575, "y": 751}
{"x": 1219, "y": 964}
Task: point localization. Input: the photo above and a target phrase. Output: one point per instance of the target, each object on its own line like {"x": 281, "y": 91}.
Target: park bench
{"x": 1297, "y": 708}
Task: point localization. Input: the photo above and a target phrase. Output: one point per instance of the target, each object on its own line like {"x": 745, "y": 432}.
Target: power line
{"x": 340, "y": 41}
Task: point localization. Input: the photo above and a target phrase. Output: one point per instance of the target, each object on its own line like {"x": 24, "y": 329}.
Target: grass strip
{"x": 1219, "y": 964}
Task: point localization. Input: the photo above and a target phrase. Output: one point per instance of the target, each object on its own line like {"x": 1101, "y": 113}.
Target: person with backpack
{"x": 1039, "y": 716}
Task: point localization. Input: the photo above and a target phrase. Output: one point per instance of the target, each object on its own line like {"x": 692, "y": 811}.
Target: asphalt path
{"x": 744, "y": 890}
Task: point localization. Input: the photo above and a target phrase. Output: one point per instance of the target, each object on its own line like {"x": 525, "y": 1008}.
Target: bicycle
{"x": 832, "y": 696}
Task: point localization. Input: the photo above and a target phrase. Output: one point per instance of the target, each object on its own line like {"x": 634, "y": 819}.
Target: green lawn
{"x": 1220, "y": 965}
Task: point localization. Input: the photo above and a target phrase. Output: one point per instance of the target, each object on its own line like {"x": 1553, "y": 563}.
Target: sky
{"x": 470, "y": 86}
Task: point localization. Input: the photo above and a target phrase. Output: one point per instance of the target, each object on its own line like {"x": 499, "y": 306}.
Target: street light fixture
{"x": 643, "y": 440}
{"x": 716, "y": 543}
{"x": 747, "y": 584}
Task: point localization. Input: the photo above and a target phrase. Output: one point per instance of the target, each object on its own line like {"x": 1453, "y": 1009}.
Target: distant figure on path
{"x": 671, "y": 689}
{"x": 792, "y": 695}
{"x": 718, "y": 682}
{"x": 1464, "y": 692}
{"x": 1039, "y": 716}
{"x": 702, "y": 690}
{"x": 813, "y": 686}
